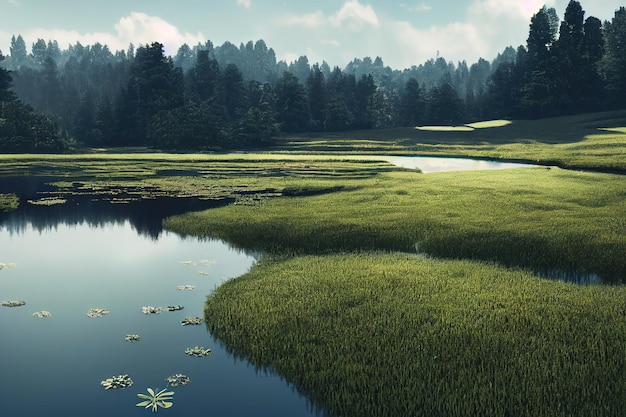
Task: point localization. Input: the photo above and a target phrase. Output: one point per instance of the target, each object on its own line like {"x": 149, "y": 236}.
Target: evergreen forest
{"x": 210, "y": 97}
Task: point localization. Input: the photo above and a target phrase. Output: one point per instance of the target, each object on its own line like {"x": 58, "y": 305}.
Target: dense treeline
{"x": 218, "y": 97}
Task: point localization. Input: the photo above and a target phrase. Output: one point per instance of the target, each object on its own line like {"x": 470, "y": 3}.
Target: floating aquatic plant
{"x": 9, "y": 265}
{"x": 191, "y": 320}
{"x": 14, "y": 303}
{"x": 42, "y": 314}
{"x": 154, "y": 400}
{"x": 151, "y": 310}
{"x": 177, "y": 380}
{"x": 186, "y": 287}
{"x": 47, "y": 201}
{"x": 132, "y": 338}
{"x": 175, "y": 308}
{"x": 202, "y": 273}
{"x": 198, "y": 351}
{"x": 97, "y": 312}
{"x": 115, "y": 382}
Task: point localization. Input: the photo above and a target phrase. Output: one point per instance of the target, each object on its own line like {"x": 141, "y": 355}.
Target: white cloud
{"x": 244, "y": 3}
{"x": 311, "y": 20}
{"x": 141, "y": 28}
{"x": 420, "y": 8}
{"x": 355, "y": 15}
{"x": 454, "y": 42}
{"x": 514, "y": 9}
{"x": 137, "y": 28}
{"x": 331, "y": 42}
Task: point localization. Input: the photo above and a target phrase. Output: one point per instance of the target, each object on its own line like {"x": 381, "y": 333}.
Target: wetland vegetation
{"x": 407, "y": 293}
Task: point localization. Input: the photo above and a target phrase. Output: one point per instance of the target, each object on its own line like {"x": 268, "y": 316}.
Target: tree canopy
{"x": 228, "y": 96}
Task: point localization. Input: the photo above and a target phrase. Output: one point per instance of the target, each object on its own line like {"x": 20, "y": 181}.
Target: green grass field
{"x": 533, "y": 217}
{"x": 588, "y": 141}
{"x": 389, "y": 334}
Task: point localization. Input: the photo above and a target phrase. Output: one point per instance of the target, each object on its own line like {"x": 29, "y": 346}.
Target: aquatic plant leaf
{"x": 177, "y": 380}
{"x": 115, "y": 382}
{"x": 162, "y": 398}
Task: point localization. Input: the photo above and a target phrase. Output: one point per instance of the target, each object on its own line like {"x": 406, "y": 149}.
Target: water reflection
{"x": 88, "y": 253}
{"x": 145, "y": 216}
{"x": 441, "y": 164}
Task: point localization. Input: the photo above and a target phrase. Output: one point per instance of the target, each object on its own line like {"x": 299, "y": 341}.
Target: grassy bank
{"x": 587, "y": 141}
{"x": 377, "y": 334}
{"x": 538, "y": 218}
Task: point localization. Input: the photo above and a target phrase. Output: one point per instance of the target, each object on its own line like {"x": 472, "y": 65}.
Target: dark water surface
{"x": 79, "y": 255}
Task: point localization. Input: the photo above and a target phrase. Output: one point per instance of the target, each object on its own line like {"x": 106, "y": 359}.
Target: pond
{"x": 68, "y": 265}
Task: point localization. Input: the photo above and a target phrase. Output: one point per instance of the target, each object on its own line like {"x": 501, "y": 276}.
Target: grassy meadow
{"x": 391, "y": 334}
{"x": 387, "y": 292}
{"x": 589, "y": 141}
{"x": 538, "y": 218}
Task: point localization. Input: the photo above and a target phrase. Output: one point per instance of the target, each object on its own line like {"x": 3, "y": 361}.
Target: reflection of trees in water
{"x": 145, "y": 216}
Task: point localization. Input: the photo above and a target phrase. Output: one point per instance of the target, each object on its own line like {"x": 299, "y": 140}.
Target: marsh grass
{"x": 536, "y": 218}
{"x": 9, "y": 202}
{"x": 389, "y": 334}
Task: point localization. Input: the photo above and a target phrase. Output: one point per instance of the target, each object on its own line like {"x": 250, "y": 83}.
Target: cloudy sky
{"x": 402, "y": 33}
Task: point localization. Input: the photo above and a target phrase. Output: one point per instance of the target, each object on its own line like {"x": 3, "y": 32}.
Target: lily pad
{"x": 186, "y": 287}
{"x": 198, "y": 351}
{"x": 191, "y": 320}
{"x": 151, "y": 310}
{"x": 14, "y": 303}
{"x": 42, "y": 314}
{"x": 97, "y": 312}
{"x": 117, "y": 382}
{"x": 177, "y": 380}
{"x": 175, "y": 308}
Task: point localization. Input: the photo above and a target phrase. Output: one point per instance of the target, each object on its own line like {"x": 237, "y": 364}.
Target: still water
{"x": 429, "y": 164}
{"x": 53, "y": 366}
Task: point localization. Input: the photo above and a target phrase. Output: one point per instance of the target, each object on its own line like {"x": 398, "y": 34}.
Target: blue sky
{"x": 403, "y": 33}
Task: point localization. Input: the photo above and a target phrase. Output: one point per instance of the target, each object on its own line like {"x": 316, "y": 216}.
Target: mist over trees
{"x": 209, "y": 97}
